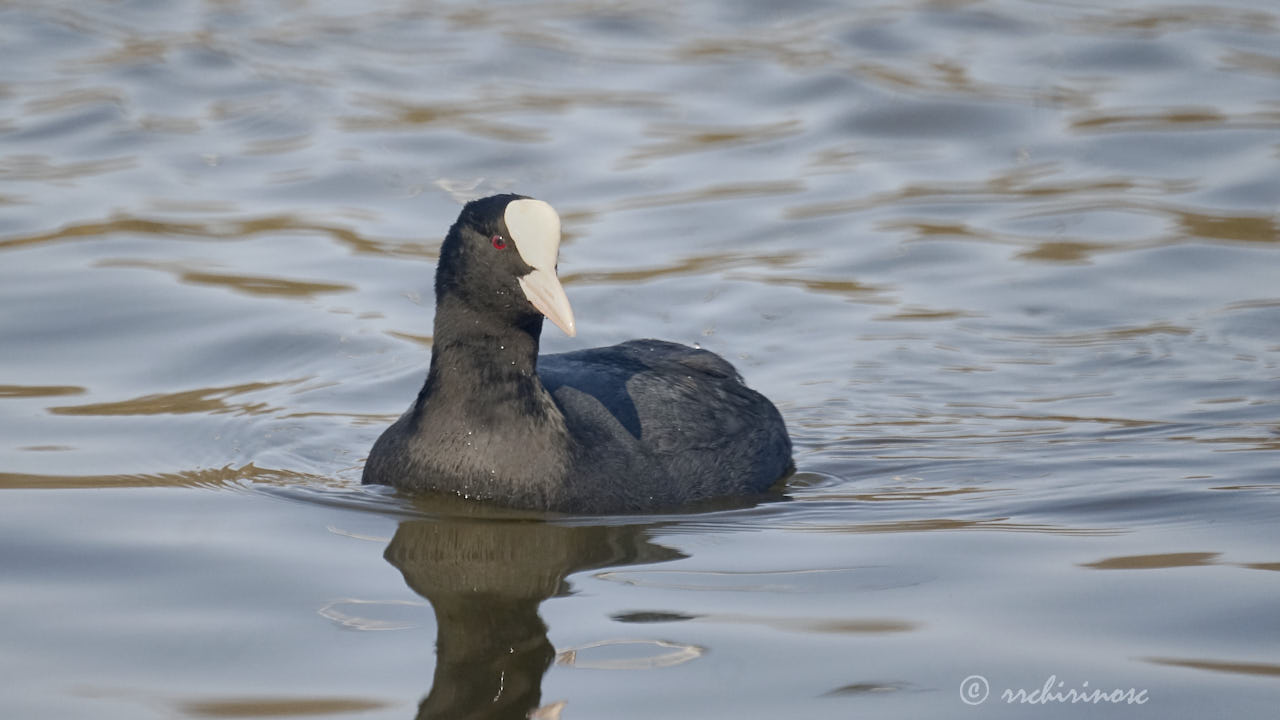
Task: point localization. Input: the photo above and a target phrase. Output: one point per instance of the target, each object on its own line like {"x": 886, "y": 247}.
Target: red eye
{"x": 499, "y": 242}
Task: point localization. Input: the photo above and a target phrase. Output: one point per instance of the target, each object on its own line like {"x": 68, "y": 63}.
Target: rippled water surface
{"x": 1011, "y": 271}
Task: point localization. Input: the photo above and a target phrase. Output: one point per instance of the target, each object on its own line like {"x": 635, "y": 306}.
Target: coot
{"x": 639, "y": 426}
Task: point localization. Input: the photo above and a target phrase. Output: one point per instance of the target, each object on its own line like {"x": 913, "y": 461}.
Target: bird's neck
{"x": 484, "y": 373}
{"x": 475, "y": 350}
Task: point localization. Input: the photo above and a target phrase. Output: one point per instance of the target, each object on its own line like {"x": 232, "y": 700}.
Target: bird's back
{"x": 657, "y": 423}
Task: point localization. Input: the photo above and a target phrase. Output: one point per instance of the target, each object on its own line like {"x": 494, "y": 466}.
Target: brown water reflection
{"x": 710, "y": 193}
{"x": 203, "y": 400}
{"x": 1172, "y": 560}
{"x": 949, "y": 525}
{"x": 1163, "y": 19}
{"x": 481, "y": 118}
{"x": 29, "y": 391}
{"x": 276, "y": 707}
{"x": 1253, "y": 62}
{"x": 219, "y": 229}
{"x": 686, "y": 139}
{"x": 208, "y": 477}
{"x": 249, "y": 285}
{"x": 1187, "y": 118}
{"x": 827, "y": 626}
{"x": 1148, "y": 562}
{"x": 43, "y": 168}
{"x": 1007, "y": 185}
{"x": 691, "y": 265}
{"x": 1238, "y": 668}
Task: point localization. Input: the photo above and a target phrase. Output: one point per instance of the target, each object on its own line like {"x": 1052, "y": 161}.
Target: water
{"x": 1009, "y": 269}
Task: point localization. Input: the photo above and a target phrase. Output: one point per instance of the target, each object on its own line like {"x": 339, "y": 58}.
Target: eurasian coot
{"x": 643, "y": 425}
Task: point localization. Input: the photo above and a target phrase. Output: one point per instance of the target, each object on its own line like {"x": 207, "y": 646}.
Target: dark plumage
{"x": 643, "y": 425}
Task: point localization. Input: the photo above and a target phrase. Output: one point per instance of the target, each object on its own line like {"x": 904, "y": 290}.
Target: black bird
{"x": 643, "y": 425}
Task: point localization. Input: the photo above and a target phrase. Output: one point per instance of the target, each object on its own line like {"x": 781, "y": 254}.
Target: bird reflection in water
{"x": 485, "y": 578}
